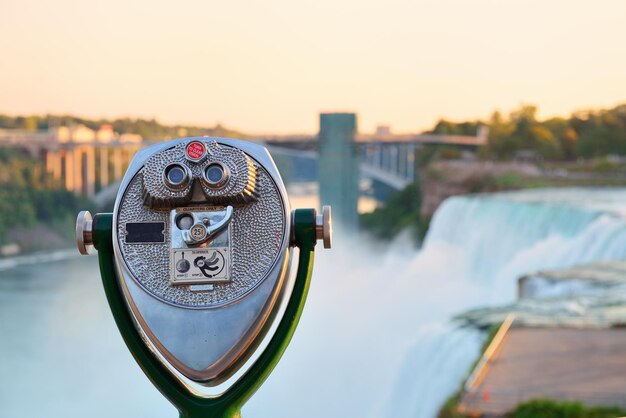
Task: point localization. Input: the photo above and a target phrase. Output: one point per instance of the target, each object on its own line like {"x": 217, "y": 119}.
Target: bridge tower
{"x": 338, "y": 168}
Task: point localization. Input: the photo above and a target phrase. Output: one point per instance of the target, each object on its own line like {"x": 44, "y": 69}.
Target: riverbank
{"x": 28, "y": 240}
{"x": 36, "y": 212}
{"x": 7, "y": 263}
{"x": 40, "y": 237}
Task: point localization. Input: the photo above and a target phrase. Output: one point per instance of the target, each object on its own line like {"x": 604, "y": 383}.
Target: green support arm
{"x": 229, "y": 404}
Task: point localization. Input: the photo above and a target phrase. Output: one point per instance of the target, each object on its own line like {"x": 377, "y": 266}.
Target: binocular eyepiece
{"x": 200, "y": 240}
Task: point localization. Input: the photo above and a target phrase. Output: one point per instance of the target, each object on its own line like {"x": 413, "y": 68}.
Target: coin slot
{"x": 184, "y": 221}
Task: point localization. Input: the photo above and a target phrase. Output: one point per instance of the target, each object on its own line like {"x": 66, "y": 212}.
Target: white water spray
{"x": 376, "y": 338}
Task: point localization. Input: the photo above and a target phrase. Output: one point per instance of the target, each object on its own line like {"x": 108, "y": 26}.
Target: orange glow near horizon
{"x": 272, "y": 66}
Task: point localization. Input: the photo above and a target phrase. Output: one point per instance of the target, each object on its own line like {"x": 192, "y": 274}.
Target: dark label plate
{"x": 145, "y": 232}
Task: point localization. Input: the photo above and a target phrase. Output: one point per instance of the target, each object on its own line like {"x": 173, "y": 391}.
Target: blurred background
{"x": 474, "y": 153}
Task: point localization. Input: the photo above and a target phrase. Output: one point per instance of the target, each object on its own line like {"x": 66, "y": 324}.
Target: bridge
{"x": 343, "y": 157}
{"x": 81, "y": 159}
{"x": 385, "y": 157}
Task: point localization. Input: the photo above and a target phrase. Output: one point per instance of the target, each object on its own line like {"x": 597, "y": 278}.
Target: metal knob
{"x": 324, "y": 226}
{"x": 201, "y": 232}
{"x": 84, "y": 232}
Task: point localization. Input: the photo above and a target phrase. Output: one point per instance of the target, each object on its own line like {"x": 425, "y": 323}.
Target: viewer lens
{"x": 176, "y": 176}
{"x": 215, "y": 175}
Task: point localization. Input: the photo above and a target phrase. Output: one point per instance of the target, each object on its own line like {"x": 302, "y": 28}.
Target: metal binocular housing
{"x": 195, "y": 260}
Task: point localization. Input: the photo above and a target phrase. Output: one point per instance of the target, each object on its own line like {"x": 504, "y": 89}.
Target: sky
{"x": 272, "y": 66}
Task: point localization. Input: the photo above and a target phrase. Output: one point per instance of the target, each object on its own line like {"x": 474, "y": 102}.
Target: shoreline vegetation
{"x": 542, "y": 408}
{"x": 36, "y": 213}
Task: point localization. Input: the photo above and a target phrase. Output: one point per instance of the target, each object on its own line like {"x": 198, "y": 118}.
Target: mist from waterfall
{"x": 376, "y": 338}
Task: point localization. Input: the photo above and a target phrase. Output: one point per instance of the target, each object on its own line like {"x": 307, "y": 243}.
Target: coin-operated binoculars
{"x": 195, "y": 262}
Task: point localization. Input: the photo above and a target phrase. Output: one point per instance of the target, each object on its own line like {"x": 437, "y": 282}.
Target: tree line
{"x": 29, "y": 197}
{"x": 147, "y": 128}
{"x": 584, "y": 134}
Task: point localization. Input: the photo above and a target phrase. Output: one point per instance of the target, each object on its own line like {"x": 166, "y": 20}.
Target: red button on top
{"x": 195, "y": 150}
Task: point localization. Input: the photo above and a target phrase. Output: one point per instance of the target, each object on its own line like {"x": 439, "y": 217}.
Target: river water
{"x": 376, "y": 338}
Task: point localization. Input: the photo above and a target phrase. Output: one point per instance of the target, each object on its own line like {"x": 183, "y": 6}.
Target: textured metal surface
{"x": 240, "y": 188}
{"x": 208, "y": 343}
{"x": 258, "y": 227}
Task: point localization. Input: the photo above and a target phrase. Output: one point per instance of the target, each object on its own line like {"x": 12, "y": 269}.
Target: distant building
{"x": 130, "y": 139}
{"x": 81, "y": 134}
{"x": 105, "y": 134}
{"x": 77, "y": 134}
{"x": 383, "y": 131}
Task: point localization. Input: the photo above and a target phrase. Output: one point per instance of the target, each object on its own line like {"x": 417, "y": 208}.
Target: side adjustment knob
{"x": 324, "y": 226}
{"x": 84, "y": 232}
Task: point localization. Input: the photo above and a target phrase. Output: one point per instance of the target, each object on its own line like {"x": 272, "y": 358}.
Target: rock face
{"x": 590, "y": 295}
{"x": 443, "y": 179}
{"x": 579, "y": 280}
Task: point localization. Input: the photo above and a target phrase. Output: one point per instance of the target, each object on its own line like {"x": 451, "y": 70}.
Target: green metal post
{"x": 229, "y": 404}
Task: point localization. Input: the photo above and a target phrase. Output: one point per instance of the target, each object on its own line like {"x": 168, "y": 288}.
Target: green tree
{"x": 546, "y": 408}
{"x": 400, "y": 212}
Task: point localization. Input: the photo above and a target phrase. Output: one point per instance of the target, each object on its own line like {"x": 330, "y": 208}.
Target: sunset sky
{"x": 271, "y": 66}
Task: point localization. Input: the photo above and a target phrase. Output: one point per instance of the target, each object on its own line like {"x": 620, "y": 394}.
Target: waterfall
{"x": 502, "y": 236}
{"x": 376, "y": 339}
